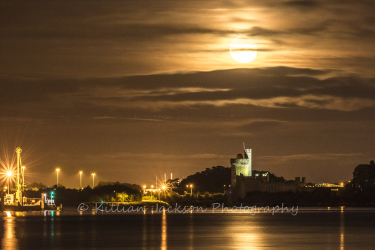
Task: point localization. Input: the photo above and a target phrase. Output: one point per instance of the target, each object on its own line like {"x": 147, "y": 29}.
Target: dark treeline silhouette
{"x": 104, "y": 191}
{"x": 37, "y": 185}
{"x": 211, "y": 180}
{"x": 274, "y": 178}
{"x": 361, "y": 190}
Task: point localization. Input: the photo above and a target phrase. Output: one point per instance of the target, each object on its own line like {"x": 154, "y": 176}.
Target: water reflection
{"x": 191, "y": 231}
{"x": 20, "y": 214}
{"x": 144, "y": 231}
{"x": 342, "y": 229}
{"x": 9, "y": 239}
{"x": 335, "y": 229}
{"x": 49, "y": 213}
{"x": 164, "y": 231}
{"x": 245, "y": 232}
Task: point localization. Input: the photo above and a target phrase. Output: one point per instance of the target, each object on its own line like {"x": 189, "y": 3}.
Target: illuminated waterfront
{"x": 310, "y": 229}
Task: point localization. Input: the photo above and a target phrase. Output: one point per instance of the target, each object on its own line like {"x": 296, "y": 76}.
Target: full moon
{"x": 243, "y": 50}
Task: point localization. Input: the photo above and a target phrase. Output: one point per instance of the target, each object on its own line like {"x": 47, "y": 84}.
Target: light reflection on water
{"x": 333, "y": 229}
{"x": 144, "y": 232}
{"x": 245, "y": 234}
{"x": 191, "y": 231}
{"x": 164, "y": 231}
{"x": 342, "y": 228}
{"x": 9, "y": 240}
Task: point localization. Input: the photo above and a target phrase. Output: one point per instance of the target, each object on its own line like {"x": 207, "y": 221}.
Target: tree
{"x": 364, "y": 176}
{"x": 37, "y": 185}
{"x": 210, "y": 180}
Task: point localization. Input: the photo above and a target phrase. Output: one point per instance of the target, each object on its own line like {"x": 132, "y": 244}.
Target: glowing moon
{"x": 243, "y": 50}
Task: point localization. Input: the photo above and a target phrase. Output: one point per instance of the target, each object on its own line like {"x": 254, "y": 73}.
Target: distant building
{"x": 261, "y": 175}
{"x": 246, "y": 185}
{"x": 330, "y": 185}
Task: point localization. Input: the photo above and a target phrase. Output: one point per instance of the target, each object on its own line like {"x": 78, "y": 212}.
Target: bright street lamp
{"x": 80, "y": 179}
{"x": 163, "y": 188}
{"x": 57, "y": 174}
{"x": 144, "y": 189}
{"x": 191, "y": 189}
{"x": 93, "y": 180}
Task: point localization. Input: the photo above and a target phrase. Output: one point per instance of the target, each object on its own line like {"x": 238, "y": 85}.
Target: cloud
{"x": 125, "y": 38}
{"x": 277, "y": 89}
{"x": 325, "y": 156}
{"x": 303, "y": 5}
{"x": 308, "y": 101}
{"x": 155, "y": 156}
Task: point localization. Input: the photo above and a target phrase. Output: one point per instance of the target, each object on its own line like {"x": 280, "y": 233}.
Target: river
{"x": 309, "y": 228}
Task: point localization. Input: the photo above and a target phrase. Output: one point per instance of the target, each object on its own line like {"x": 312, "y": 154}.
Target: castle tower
{"x": 241, "y": 166}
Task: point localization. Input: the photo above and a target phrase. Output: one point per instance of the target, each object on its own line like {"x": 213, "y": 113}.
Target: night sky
{"x": 131, "y": 90}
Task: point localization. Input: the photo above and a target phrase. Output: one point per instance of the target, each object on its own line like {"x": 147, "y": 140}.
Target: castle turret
{"x": 241, "y": 166}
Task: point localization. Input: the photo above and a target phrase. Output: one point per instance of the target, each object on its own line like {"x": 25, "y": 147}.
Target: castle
{"x": 241, "y": 166}
{"x": 244, "y": 179}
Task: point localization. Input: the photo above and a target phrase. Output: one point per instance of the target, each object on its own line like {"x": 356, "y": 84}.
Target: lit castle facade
{"x": 241, "y": 166}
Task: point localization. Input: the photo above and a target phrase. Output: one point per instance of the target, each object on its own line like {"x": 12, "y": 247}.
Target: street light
{"x": 80, "y": 179}
{"x": 57, "y": 174}
{"x": 93, "y": 180}
{"x": 163, "y": 188}
{"x": 9, "y": 174}
{"x": 191, "y": 189}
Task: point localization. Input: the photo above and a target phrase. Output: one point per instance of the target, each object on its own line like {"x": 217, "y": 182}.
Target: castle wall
{"x": 250, "y": 184}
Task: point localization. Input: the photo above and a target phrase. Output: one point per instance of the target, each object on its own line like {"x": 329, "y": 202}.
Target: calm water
{"x": 309, "y": 229}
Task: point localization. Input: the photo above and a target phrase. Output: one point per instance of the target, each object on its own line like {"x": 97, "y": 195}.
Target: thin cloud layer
{"x": 272, "y": 88}
{"x": 117, "y": 38}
